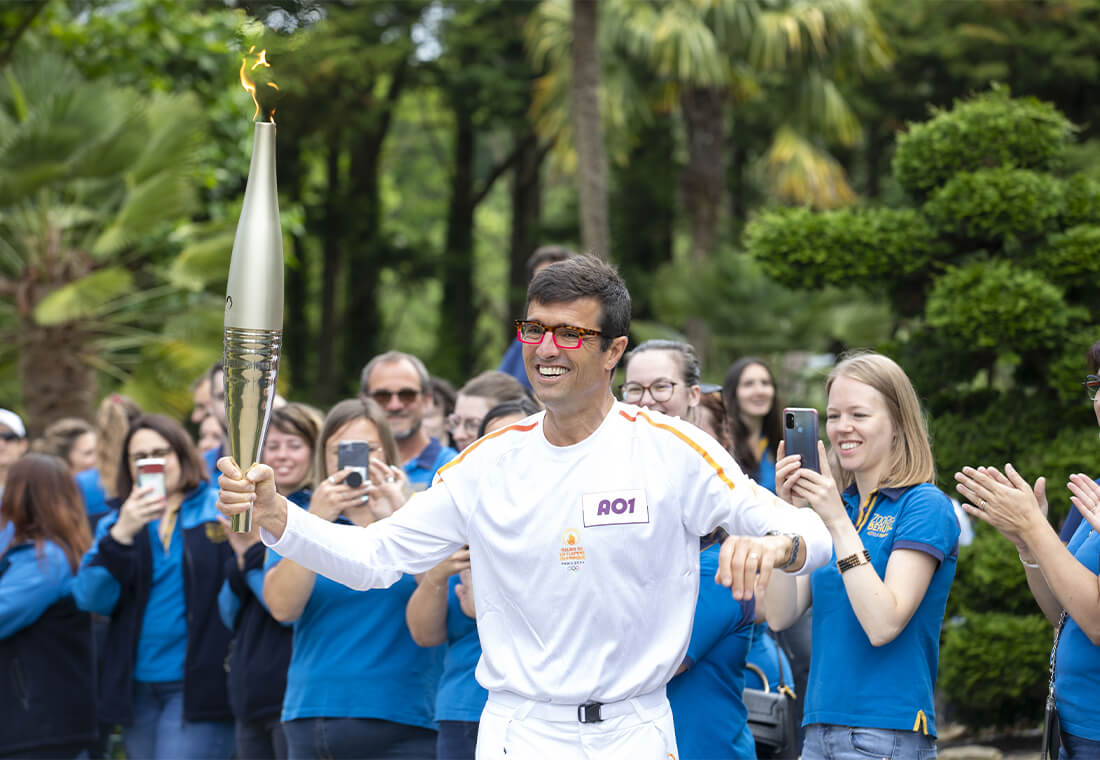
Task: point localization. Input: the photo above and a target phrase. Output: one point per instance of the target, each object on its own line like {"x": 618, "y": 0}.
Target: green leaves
{"x": 996, "y": 205}
{"x": 991, "y": 130}
{"x": 87, "y": 298}
{"x": 995, "y": 305}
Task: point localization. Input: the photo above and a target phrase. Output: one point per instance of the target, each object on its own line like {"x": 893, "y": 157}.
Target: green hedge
{"x": 803, "y": 249}
{"x": 995, "y": 305}
{"x": 993, "y": 667}
{"x": 987, "y": 131}
{"x": 996, "y": 205}
{"x": 1080, "y": 201}
{"x": 989, "y": 577}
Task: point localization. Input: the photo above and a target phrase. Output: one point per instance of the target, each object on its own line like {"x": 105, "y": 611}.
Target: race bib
{"x": 626, "y": 507}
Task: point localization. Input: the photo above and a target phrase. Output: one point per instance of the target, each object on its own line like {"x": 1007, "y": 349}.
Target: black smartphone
{"x": 356, "y": 455}
{"x": 800, "y": 435}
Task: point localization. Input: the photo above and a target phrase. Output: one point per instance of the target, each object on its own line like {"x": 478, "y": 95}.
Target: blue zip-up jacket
{"x": 47, "y": 669}
{"x": 260, "y": 653}
{"x": 116, "y": 580}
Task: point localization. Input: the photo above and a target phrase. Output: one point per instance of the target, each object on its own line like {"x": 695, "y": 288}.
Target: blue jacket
{"x": 47, "y": 668}
{"x": 116, "y": 580}
{"x": 260, "y": 653}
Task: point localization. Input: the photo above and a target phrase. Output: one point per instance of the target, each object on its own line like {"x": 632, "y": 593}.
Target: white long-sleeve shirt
{"x": 585, "y": 558}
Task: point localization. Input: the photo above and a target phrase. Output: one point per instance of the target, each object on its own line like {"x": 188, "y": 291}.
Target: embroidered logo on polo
{"x": 880, "y": 526}
{"x": 624, "y": 507}
{"x": 571, "y": 554}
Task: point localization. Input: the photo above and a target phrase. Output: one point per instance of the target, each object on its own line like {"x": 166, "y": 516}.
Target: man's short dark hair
{"x": 547, "y": 254}
{"x": 586, "y": 277}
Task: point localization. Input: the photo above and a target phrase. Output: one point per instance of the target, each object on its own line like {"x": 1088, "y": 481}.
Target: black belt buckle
{"x": 589, "y": 712}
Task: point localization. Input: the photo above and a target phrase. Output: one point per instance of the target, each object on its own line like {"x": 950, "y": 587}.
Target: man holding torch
{"x": 583, "y": 524}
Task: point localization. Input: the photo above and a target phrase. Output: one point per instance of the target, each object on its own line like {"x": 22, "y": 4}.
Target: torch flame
{"x": 248, "y": 84}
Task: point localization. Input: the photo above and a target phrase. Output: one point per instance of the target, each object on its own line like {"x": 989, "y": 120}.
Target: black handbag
{"x": 1052, "y": 729}
{"x": 771, "y": 717}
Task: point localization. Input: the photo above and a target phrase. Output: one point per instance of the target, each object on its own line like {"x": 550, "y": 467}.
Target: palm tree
{"x": 588, "y": 130}
{"x": 91, "y": 179}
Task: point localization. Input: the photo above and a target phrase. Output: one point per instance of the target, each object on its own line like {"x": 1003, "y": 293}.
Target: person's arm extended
{"x": 426, "y": 613}
{"x": 786, "y": 600}
{"x": 417, "y": 537}
{"x": 30, "y": 586}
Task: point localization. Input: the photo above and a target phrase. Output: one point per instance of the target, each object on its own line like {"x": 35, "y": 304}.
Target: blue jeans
{"x": 356, "y": 739}
{"x": 828, "y": 742}
{"x": 261, "y": 739}
{"x": 159, "y": 731}
{"x": 1078, "y": 748}
{"x": 457, "y": 740}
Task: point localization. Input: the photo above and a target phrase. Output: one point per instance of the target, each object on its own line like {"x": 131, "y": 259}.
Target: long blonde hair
{"x": 911, "y": 459}
{"x": 112, "y": 423}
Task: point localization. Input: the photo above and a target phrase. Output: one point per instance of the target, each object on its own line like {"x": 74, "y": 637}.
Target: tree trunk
{"x": 588, "y": 131}
{"x": 57, "y": 381}
{"x": 702, "y": 184}
{"x": 526, "y": 187}
{"x": 296, "y": 341}
{"x": 455, "y": 353}
{"x": 330, "y": 271}
{"x": 366, "y": 255}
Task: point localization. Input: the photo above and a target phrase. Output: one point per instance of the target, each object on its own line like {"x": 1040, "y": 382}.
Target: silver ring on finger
{"x": 754, "y": 556}
{"x": 391, "y": 479}
{"x": 982, "y": 505}
{"x": 332, "y": 479}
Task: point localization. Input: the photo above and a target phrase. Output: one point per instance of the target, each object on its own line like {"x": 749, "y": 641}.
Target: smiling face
{"x": 755, "y": 392}
{"x": 570, "y": 379}
{"x": 389, "y": 379}
{"x": 654, "y": 366}
{"x": 860, "y": 430}
{"x": 289, "y": 456}
{"x": 82, "y": 453}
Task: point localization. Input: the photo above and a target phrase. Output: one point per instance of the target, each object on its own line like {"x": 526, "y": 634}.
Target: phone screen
{"x": 800, "y": 435}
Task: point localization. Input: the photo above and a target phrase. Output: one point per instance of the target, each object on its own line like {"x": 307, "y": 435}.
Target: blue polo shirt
{"x": 421, "y": 470}
{"x": 91, "y": 488}
{"x": 1077, "y": 671}
{"x": 765, "y": 476}
{"x": 460, "y": 696}
{"x": 851, "y": 682}
{"x": 353, "y": 656}
{"x": 766, "y": 655}
{"x": 707, "y": 709}
{"x": 32, "y": 584}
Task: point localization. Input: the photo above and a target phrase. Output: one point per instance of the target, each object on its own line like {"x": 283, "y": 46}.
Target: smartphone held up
{"x": 354, "y": 455}
{"x": 800, "y": 435}
{"x": 150, "y": 472}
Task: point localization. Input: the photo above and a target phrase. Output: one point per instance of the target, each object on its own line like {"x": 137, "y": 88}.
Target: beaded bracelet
{"x": 854, "y": 560}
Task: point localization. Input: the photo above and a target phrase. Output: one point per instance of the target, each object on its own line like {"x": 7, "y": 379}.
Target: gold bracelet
{"x": 854, "y": 560}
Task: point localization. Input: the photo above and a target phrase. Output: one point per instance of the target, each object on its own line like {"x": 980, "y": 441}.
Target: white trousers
{"x": 513, "y": 728}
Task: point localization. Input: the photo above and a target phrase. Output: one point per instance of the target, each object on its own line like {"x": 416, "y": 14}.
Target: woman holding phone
{"x": 879, "y": 608}
{"x": 1063, "y": 578}
{"x": 356, "y": 679}
{"x": 261, "y": 649}
{"x": 155, "y": 569}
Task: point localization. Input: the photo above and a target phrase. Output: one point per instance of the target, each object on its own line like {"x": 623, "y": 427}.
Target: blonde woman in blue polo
{"x": 878, "y": 608}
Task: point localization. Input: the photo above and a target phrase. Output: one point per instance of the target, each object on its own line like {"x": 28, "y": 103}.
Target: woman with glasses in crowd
{"x": 879, "y": 608}
{"x": 357, "y": 682}
{"x": 47, "y": 668}
{"x": 707, "y": 708}
{"x": 1065, "y": 579}
{"x": 439, "y": 613}
{"x": 155, "y": 569}
{"x": 260, "y": 655}
{"x": 477, "y": 397}
{"x": 753, "y": 404}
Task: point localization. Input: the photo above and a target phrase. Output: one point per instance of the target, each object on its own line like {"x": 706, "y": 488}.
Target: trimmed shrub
{"x": 993, "y": 305}
{"x": 987, "y": 131}
{"x": 1080, "y": 201}
{"x": 996, "y": 205}
{"x": 1071, "y": 258}
{"x": 861, "y": 247}
{"x": 989, "y": 576}
{"x": 993, "y": 667}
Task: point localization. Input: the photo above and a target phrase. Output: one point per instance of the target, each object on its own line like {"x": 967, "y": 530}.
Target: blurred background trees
{"x": 777, "y": 183}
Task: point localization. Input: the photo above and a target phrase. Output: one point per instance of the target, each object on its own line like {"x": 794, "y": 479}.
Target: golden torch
{"x": 254, "y": 302}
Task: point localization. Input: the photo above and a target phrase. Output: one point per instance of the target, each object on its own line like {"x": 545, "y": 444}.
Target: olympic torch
{"x": 254, "y": 306}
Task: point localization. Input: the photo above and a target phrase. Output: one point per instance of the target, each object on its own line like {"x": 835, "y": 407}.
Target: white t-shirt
{"x": 585, "y": 558}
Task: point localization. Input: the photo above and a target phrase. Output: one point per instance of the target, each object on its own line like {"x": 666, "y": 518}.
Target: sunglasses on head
{"x": 405, "y": 395}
